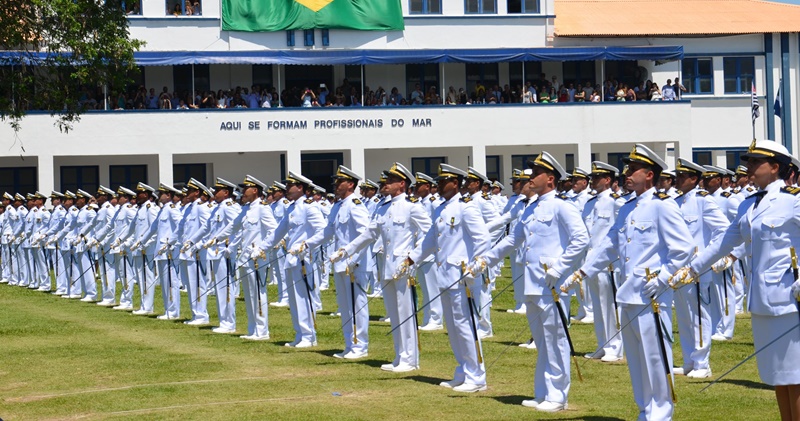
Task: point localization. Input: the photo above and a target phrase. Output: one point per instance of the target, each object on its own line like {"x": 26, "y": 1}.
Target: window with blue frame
{"x": 308, "y": 37}
{"x": 485, "y": 74}
{"x": 132, "y": 7}
{"x": 520, "y": 162}
{"x": 429, "y": 166}
{"x": 734, "y": 158}
{"x": 425, "y": 7}
{"x": 424, "y": 75}
{"x": 80, "y": 177}
{"x": 523, "y": 6}
{"x": 576, "y": 72}
{"x": 179, "y": 7}
{"x": 22, "y": 180}
{"x": 701, "y": 157}
{"x": 493, "y": 167}
{"x": 739, "y": 73}
{"x": 615, "y": 159}
{"x": 698, "y": 75}
{"x": 126, "y": 175}
{"x": 480, "y": 6}
{"x": 569, "y": 162}
{"x": 183, "y": 172}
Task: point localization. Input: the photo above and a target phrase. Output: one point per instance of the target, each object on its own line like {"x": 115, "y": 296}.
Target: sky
{"x": 787, "y": 1}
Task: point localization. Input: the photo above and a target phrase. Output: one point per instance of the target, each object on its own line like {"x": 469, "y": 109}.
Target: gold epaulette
{"x": 357, "y": 201}
{"x": 791, "y": 190}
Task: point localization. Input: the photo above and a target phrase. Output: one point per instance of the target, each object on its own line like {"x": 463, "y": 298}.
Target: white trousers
{"x": 222, "y": 278}
{"x": 107, "y": 280}
{"x": 738, "y": 285}
{"x": 481, "y": 291}
{"x": 255, "y": 298}
{"x": 397, "y": 299}
{"x": 722, "y": 296}
{"x": 301, "y": 304}
{"x": 605, "y": 314}
{"x": 278, "y": 268}
{"x": 645, "y": 362}
{"x": 552, "y": 377}
{"x": 82, "y": 278}
{"x": 695, "y": 357}
{"x": 196, "y": 288}
{"x": 465, "y": 348}
{"x": 39, "y": 271}
{"x": 127, "y": 276}
{"x": 432, "y": 313}
{"x": 345, "y": 292}
{"x": 146, "y": 278}
{"x": 170, "y": 287}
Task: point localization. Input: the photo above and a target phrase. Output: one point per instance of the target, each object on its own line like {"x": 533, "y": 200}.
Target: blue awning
{"x": 363, "y": 57}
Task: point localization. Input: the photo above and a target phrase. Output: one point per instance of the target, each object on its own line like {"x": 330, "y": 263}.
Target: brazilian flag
{"x": 281, "y": 15}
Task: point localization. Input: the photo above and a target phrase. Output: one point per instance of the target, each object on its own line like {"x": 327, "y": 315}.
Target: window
{"x": 320, "y": 167}
{"x": 523, "y": 6}
{"x": 262, "y": 75}
{"x": 352, "y": 73}
{"x": 290, "y": 38}
{"x": 22, "y": 180}
{"x": 183, "y": 172}
{"x": 734, "y": 159}
{"x": 429, "y": 166}
{"x": 425, "y": 7}
{"x": 178, "y": 7}
{"x": 739, "y": 72}
{"x": 532, "y": 71}
{"x": 520, "y": 162}
{"x": 615, "y": 159}
{"x": 127, "y": 175}
{"x": 308, "y": 37}
{"x": 326, "y": 38}
{"x": 485, "y": 73}
{"x": 493, "y": 167}
{"x": 480, "y": 6}
{"x": 132, "y": 7}
{"x": 182, "y": 78}
{"x": 426, "y": 75}
{"x": 576, "y": 72}
{"x": 569, "y": 162}
{"x": 80, "y": 177}
{"x": 702, "y": 157}
{"x": 698, "y": 75}
{"x": 594, "y": 157}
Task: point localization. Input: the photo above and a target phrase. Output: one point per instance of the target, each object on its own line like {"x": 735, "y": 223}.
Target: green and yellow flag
{"x": 281, "y": 15}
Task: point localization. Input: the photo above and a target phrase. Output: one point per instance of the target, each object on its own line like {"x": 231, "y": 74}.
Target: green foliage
{"x": 56, "y": 46}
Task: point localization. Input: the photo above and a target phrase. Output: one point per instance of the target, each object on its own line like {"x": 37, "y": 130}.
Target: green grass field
{"x": 64, "y": 359}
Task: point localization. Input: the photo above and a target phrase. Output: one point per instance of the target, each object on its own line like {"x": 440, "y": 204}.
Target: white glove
{"x": 402, "y": 270}
{"x": 796, "y": 290}
{"x": 297, "y": 250}
{"x": 684, "y": 275}
{"x": 551, "y": 278}
{"x": 574, "y": 280}
{"x": 256, "y": 253}
{"x": 478, "y": 266}
{"x": 210, "y": 243}
{"x": 339, "y": 255}
{"x": 652, "y": 288}
{"x": 186, "y": 246}
{"x": 722, "y": 264}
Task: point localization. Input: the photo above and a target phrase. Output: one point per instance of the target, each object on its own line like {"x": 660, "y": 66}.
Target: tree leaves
{"x": 53, "y": 48}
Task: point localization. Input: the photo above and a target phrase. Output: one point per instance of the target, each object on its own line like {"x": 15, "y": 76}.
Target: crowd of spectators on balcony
{"x": 541, "y": 91}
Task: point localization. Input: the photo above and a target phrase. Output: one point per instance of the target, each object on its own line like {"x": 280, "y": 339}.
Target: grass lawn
{"x": 64, "y": 359}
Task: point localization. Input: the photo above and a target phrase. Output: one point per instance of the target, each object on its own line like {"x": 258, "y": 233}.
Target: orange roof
{"x": 634, "y": 18}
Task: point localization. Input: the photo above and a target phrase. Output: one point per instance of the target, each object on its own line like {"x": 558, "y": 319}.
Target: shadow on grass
{"x": 747, "y": 383}
{"x": 426, "y": 379}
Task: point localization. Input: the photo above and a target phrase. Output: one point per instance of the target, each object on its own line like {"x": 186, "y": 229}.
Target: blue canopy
{"x": 328, "y": 57}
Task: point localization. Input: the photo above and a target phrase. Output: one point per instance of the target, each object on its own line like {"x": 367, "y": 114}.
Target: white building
{"x": 718, "y": 49}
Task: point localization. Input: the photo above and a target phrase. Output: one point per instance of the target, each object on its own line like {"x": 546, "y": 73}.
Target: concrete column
{"x": 478, "y": 160}
{"x": 584, "y": 158}
{"x": 358, "y": 161}
{"x": 507, "y": 172}
{"x": 46, "y": 174}
{"x": 293, "y": 160}
{"x": 164, "y": 170}
{"x": 719, "y": 158}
